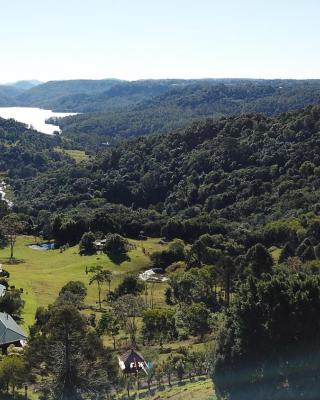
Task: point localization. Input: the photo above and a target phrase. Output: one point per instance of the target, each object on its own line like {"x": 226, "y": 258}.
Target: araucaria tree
{"x": 101, "y": 277}
{"x": 70, "y": 356}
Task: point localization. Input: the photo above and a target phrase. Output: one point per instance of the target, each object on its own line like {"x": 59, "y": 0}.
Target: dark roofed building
{"x": 10, "y": 332}
{"x": 131, "y": 362}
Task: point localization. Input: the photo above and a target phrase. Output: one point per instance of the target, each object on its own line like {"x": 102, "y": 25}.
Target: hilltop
{"x": 244, "y": 169}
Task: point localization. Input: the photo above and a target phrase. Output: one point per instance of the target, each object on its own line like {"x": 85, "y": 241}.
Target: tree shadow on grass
{"x": 9, "y": 261}
{"x": 118, "y": 259}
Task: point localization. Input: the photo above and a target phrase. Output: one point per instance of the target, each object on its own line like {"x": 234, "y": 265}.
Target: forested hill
{"x": 246, "y": 169}
{"x": 24, "y": 152}
{"x": 8, "y": 95}
{"x": 120, "y": 96}
{"x": 94, "y": 95}
{"x": 182, "y": 104}
{"x": 48, "y": 95}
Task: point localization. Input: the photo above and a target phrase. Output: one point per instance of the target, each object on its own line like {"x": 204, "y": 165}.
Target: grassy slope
{"x": 199, "y": 390}
{"x": 77, "y": 155}
{"x": 42, "y": 273}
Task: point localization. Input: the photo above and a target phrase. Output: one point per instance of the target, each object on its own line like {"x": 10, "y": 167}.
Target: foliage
{"x": 109, "y": 324}
{"x": 116, "y": 244}
{"x": 86, "y": 244}
{"x": 211, "y": 178}
{"x": 258, "y": 260}
{"x": 131, "y": 284}
{"x": 162, "y": 106}
{"x": 73, "y": 292}
{"x": 193, "y": 286}
{"x": 271, "y": 328}
{"x": 73, "y": 359}
{"x": 13, "y": 373}
{"x": 100, "y": 276}
{"x": 11, "y": 302}
{"x": 11, "y": 226}
{"x": 175, "y": 252}
{"x": 158, "y": 325}
{"x": 193, "y": 319}
{"x": 127, "y": 309}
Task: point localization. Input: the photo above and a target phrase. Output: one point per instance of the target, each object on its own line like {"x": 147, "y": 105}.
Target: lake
{"x": 35, "y": 117}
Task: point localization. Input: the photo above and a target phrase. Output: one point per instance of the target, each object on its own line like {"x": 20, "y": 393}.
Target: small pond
{"x": 42, "y": 246}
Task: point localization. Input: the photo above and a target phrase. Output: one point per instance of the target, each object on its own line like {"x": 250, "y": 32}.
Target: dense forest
{"x": 24, "y": 152}
{"x": 245, "y": 169}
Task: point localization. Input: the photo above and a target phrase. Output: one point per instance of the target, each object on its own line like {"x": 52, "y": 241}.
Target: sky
{"x": 142, "y": 39}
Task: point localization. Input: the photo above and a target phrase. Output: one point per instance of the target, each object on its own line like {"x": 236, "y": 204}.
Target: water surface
{"x": 34, "y": 117}
{"x": 42, "y": 246}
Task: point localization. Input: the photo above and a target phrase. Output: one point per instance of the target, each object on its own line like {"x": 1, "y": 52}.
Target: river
{"x": 34, "y": 117}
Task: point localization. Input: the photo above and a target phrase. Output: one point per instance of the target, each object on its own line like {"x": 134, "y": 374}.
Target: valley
{"x": 218, "y": 201}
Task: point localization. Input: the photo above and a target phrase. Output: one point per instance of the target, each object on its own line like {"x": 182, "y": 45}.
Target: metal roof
{"x": 10, "y": 331}
{"x": 131, "y": 356}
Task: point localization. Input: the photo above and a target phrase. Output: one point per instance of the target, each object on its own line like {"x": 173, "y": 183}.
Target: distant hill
{"x": 47, "y": 95}
{"x": 25, "y": 85}
{"x": 8, "y": 95}
{"x": 185, "y": 102}
{"x": 121, "y": 96}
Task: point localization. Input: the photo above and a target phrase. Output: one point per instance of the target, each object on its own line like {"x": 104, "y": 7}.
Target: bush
{"x": 116, "y": 244}
{"x": 130, "y": 285}
{"x": 176, "y": 252}
{"x": 86, "y": 244}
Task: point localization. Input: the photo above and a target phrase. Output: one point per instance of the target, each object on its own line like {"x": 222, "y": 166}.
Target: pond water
{"x": 34, "y": 117}
{"x": 42, "y": 246}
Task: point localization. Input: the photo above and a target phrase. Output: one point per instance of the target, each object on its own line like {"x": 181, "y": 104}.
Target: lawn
{"x": 41, "y": 274}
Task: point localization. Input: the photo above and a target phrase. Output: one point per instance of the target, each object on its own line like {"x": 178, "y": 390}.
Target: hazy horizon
{"x": 155, "y": 78}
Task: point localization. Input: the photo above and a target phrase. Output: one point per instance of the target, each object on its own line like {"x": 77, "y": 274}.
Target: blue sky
{"x": 135, "y": 39}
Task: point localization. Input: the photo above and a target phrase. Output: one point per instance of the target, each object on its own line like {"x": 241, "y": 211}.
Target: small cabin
{"x": 132, "y": 362}
{"x": 10, "y": 333}
{"x": 99, "y": 244}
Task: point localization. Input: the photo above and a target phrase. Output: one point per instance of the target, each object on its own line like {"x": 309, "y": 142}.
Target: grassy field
{"x": 42, "y": 273}
{"x": 77, "y": 155}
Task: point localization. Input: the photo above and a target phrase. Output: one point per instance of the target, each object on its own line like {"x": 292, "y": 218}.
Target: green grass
{"x": 200, "y": 389}
{"x": 42, "y": 273}
{"x": 77, "y": 155}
